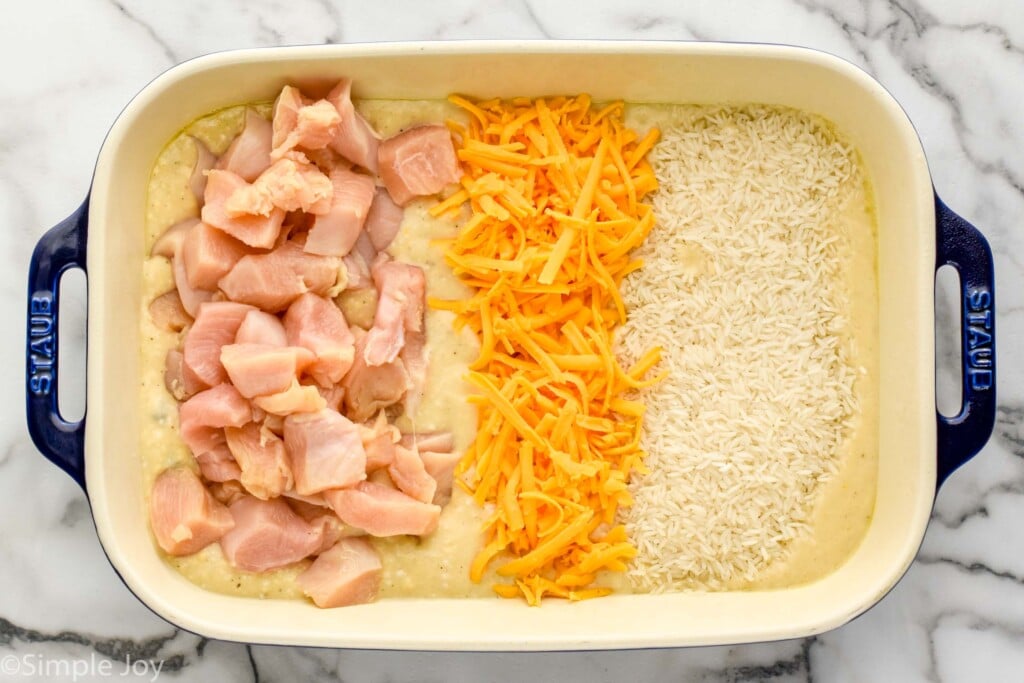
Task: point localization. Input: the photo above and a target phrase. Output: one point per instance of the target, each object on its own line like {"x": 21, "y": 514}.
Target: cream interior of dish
{"x": 437, "y": 566}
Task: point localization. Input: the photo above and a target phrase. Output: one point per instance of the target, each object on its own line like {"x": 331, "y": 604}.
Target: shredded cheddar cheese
{"x": 555, "y": 189}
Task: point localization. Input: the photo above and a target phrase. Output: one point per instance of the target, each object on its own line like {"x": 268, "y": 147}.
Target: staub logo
{"x": 41, "y": 345}
{"x": 979, "y": 338}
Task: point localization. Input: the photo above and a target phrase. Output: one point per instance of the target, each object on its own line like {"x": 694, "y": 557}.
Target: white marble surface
{"x": 958, "y": 69}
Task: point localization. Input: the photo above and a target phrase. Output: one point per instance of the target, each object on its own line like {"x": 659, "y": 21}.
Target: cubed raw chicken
{"x": 216, "y": 324}
{"x": 267, "y": 535}
{"x": 410, "y": 476}
{"x": 168, "y": 313}
{"x": 298, "y": 398}
{"x": 287, "y": 185}
{"x": 441, "y": 466}
{"x": 317, "y": 324}
{"x": 301, "y": 123}
{"x": 248, "y": 155}
{"x": 272, "y": 281}
{"x": 227, "y": 492}
{"x": 415, "y": 357}
{"x": 356, "y": 140}
{"x": 325, "y": 451}
{"x": 208, "y": 254}
{"x": 383, "y": 511}
{"x": 262, "y": 459}
{"x": 254, "y": 229}
{"x": 401, "y": 289}
{"x": 202, "y": 417}
{"x": 379, "y": 441}
{"x": 184, "y": 516}
{"x": 417, "y": 162}
{"x": 261, "y": 369}
{"x": 205, "y": 159}
{"x": 335, "y": 232}
{"x": 191, "y": 298}
{"x": 218, "y": 465}
{"x": 286, "y": 114}
{"x": 334, "y": 396}
{"x": 259, "y": 327}
{"x": 167, "y": 243}
{"x": 368, "y": 388}
{"x": 383, "y": 220}
{"x": 321, "y": 517}
{"x": 180, "y": 381}
{"x": 347, "y": 574}
{"x": 437, "y": 442}
{"x": 174, "y": 380}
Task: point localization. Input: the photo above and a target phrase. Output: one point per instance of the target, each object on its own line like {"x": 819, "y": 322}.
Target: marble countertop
{"x": 956, "y": 67}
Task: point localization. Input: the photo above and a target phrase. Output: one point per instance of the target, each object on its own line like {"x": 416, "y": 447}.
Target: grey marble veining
{"x": 956, "y": 67}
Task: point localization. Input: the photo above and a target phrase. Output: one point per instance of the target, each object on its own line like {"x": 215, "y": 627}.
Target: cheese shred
{"x": 555, "y": 190}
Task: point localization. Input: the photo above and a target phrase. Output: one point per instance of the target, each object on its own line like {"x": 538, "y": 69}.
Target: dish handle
{"x": 61, "y": 248}
{"x": 961, "y": 245}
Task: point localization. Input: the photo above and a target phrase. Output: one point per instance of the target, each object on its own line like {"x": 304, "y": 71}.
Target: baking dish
{"x": 917, "y": 233}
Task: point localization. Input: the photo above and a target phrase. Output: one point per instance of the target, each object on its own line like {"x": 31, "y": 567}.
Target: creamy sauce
{"x": 438, "y": 566}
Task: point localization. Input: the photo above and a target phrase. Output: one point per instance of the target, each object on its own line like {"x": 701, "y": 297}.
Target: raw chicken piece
{"x": 168, "y": 313}
{"x": 174, "y": 381}
{"x": 379, "y": 442}
{"x": 274, "y": 423}
{"x": 410, "y": 476}
{"x": 216, "y": 324}
{"x": 370, "y": 388}
{"x": 205, "y": 159}
{"x": 191, "y": 298}
{"x": 321, "y": 517}
{"x": 260, "y": 369}
{"x": 356, "y": 140}
{"x": 383, "y": 220}
{"x": 383, "y": 511}
{"x": 441, "y": 466}
{"x": 267, "y": 535}
{"x": 261, "y": 328}
{"x": 248, "y": 155}
{"x": 184, "y": 516}
{"x": 202, "y": 417}
{"x": 286, "y": 114}
{"x": 255, "y": 230}
{"x": 325, "y": 450}
{"x": 357, "y": 272}
{"x": 272, "y": 281}
{"x": 334, "y": 396}
{"x": 437, "y": 442}
{"x": 317, "y": 324}
{"x": 400, "y": 301}
{"x": 313, "y": 126}
{"x": 420, "y": 161}
{"x": 289, "y": 185}
{"x": 167, "y": 243}
{"x": 335, "y": 232}
{"x": 227, "y": 492}
{"x": 208, "y": 254}
{"x": 179, "y": 380}
{"x": 304, "y": 504}
{"x": 260, "y": 455}
{"x": 218, "y": 464}
{"x": 415, "y": 358}
{"x": 298, "y": 398}
{"x": 347, "y": 574}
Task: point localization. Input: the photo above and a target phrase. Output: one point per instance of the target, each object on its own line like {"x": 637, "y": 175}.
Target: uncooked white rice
{"x": 742, "y": 287}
